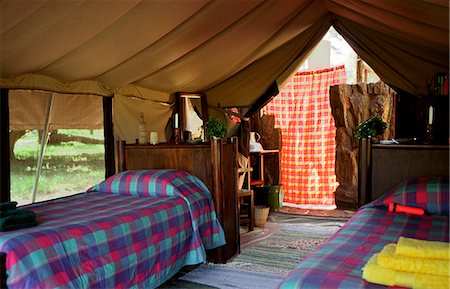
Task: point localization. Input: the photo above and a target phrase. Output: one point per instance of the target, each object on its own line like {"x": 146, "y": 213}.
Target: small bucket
{"x": 261, "y": 215}
{"x": 271, "y": 196}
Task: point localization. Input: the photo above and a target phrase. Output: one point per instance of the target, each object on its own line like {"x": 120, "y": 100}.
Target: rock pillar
{"x": 350, "y": 105}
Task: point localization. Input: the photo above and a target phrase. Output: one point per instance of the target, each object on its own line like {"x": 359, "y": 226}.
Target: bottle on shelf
{"x": 142, "y": 134}
{"x": 176, "y": 130}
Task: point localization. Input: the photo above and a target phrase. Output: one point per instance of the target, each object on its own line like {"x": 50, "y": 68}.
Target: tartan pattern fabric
{"x": 170, "y": 183}
{"x": 151, "y": 183}
{"x": 428, "y": 193}
{"x": 302, "y": 112}
{"x": 338, "y": 262}
{"x": 103, "y": 240}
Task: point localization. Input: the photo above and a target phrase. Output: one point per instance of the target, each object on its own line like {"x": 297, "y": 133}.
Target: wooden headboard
{"x": 388, "y": 165}
{"x": 193, "y": 158}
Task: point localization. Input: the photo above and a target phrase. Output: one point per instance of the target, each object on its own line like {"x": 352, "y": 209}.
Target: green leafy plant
{"x": 216, "y": 128}
{"x": 371, "y": 127}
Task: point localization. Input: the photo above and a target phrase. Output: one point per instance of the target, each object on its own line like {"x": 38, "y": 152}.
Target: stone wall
{"x": 351, "y": 104}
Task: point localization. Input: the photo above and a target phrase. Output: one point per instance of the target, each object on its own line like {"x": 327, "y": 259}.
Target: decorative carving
{"x": 350, "y": 105}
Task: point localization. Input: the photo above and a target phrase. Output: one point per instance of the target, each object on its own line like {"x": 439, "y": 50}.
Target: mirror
{"x": 193, "y": 115}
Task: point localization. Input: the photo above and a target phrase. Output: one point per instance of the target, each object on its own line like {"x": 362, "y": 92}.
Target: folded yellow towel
{"x": 423, "y": 249}
{"x": 388, "y": 259}
{"x": 374, "y": 273}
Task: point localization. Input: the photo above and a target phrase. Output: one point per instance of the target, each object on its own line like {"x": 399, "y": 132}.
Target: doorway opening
{"x": 303, "y": 115}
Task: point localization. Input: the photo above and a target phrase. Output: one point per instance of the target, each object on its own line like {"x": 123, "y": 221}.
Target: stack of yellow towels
{"x": 410, "y": 263}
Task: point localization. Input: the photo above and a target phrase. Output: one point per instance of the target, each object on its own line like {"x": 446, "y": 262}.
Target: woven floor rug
{"x": 264, "y": 264}
{"x": 183, "y": 284}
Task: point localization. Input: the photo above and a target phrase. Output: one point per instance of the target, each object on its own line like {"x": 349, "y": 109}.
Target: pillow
{"x": 151, "y": 183}
{"x": 428, "y": 193}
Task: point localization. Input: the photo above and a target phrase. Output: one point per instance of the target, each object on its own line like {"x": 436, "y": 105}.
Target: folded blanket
{"x": 17, "y": 219}
{"x": 423, "y": 249}
{"x": 374, "y": 273}
{"x": 6, "y": 206}
{"x": 389, "y": 259}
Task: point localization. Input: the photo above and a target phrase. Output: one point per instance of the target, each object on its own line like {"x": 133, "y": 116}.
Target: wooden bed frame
{"x": 2, "y": 270}
{"x": 383, "y": 166}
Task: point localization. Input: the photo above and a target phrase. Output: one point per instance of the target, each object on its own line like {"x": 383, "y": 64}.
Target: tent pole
{"x": 44, "y": 140}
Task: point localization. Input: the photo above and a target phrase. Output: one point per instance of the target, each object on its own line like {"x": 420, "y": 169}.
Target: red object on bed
{"x": 397, "y": 208}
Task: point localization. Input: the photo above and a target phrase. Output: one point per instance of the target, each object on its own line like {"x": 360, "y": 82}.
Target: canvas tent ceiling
{"x": 231, "y": 50}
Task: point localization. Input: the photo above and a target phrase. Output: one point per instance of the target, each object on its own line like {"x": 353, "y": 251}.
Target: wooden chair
{"x": 245, "y": 194}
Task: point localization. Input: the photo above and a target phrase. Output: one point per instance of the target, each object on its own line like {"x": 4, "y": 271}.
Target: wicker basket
{"x": 261, "y": 214}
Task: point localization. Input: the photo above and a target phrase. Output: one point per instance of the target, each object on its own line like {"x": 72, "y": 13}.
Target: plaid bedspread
{"x": 171, "y": 183}
{"x": 104, "y": 240}
{"x": 338, "y": 262}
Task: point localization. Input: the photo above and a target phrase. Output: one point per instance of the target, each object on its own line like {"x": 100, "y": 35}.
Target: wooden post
{"x": 121, "y": 156}
{"x": 5, "y": 182}
{"x": 364, "y": 171}
{"x": 216, "y": 170}
{"x": 359, "y": 70}
{"x": 110, "y": 167}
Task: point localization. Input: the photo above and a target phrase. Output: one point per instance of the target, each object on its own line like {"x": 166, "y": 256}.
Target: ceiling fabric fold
{"x": 409, "y": 70}
{"x": 231, "y": 50}
{"x": 47, "y": 83}
{"x": 250, "y": 83}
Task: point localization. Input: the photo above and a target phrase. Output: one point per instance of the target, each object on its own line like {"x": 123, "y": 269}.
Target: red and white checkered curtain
{"x": 302, "y": 111}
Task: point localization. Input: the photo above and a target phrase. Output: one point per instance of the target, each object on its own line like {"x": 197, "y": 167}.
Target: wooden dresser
{"x": 213, "y": 163}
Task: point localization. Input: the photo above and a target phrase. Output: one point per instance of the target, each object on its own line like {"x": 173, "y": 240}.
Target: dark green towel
{"x": 6, "y": 206}
{"x": 17, "y": 219}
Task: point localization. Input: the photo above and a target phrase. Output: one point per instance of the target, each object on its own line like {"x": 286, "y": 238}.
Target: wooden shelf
{"x": 259, "y": 162}
{"x": 412, "y": 146}
{"x": 168, "y": 145}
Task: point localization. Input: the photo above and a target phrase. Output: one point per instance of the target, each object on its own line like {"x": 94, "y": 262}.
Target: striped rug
{"x": 281, "y": 252}
{"x": 183, "y": 284}
{"x": 264, "y": 264}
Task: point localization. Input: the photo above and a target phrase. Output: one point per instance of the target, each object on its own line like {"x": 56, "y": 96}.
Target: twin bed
{"x": 338, "y": 263}
{"x": 134, "y": 230}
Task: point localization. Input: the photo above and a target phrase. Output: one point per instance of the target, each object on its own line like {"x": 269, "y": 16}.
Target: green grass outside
{"x": 69, "y": 168}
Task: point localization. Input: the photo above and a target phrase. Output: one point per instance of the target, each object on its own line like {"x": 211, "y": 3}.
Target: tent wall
{"x": 33, "y": 81}
{"x": 126, "y": 117}
{"x": 69, "y": 111}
